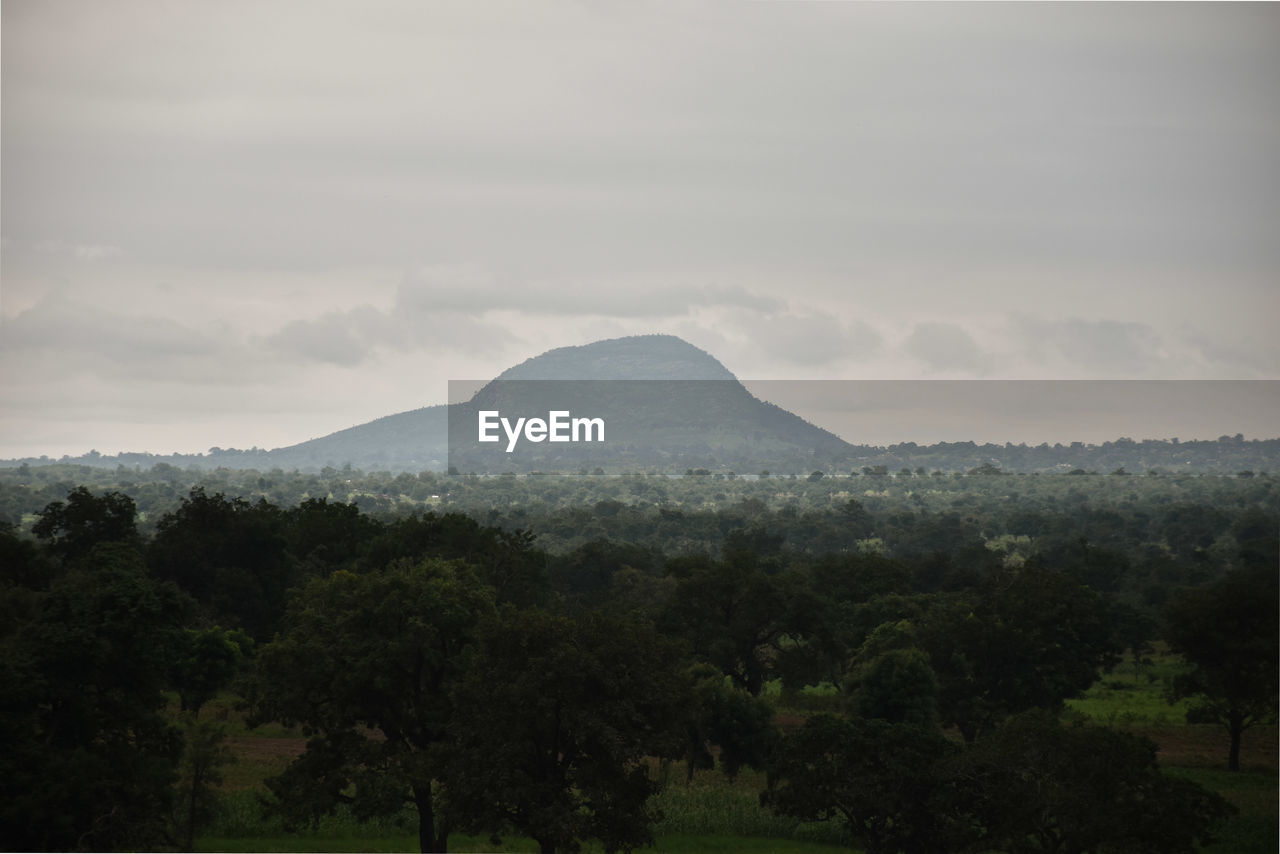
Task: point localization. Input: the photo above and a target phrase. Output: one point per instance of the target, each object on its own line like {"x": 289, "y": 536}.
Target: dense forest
{"x": 889, "y": 660}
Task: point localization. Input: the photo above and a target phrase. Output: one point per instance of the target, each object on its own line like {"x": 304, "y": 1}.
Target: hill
{"x": 662, "y": 405}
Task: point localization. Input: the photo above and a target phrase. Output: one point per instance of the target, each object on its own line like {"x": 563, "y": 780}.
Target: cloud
{"x": 945, "y": 347}
{"x": 1110, "y": 347}
{"x": 344, "y": 338}
{"x": 810, "y": 338}
{"x": 357, "y": 336}
{"x": 471, "y": 289}
{"x": 66, "y": 325}
{"x": 79, "y": 251}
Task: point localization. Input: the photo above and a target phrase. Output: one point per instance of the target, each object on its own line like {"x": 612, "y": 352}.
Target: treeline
{"x": 1224, "y": 455}
{"x": 455, "y": 665}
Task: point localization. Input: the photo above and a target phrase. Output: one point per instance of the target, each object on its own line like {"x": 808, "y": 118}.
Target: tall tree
{"x": 555, "y": 716}
{"x": 365, "y": 664}
{"x": 1230, "y": 634}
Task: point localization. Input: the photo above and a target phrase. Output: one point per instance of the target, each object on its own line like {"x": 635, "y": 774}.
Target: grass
{"x": 710, "y": 814}
{"x": 712, "y": 806}
{"x": 1134, "y": 695}
{"x": 664, "y": 845}
{"x": 1253, "y": 793}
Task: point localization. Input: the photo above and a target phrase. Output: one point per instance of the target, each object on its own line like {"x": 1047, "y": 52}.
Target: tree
{"x": 87, "y": 758}
{"x": 555, "y": 716}
{"x": 897, "y": 686}
{"x": 734, "y": 615}
{"x": 505, "y": 560}
{"x": 729, "y": 718}
{"x": 365, "y": 664}
{"x": 1025, "y": 639}
{"x": 202, "y": 760}
{"x": 324, "y": 536}
{"x": 22, "y": 564}
{"x": 1230, "y": 633}
{"x": 230, "y": 555}
{"x": 206, "y": 662}
{"x": 880, "y": 778}
{"x": 72, "y": 528}
{"x": 1034, "y": 785}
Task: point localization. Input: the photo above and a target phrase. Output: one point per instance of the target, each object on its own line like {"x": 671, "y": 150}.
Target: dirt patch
{"x": 1207, "y": 746}
{"x": 247, "y": 747}
{"x": 789, "y": 723}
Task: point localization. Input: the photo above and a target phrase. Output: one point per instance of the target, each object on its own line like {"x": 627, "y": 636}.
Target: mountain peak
{"x": 635, "y": 357}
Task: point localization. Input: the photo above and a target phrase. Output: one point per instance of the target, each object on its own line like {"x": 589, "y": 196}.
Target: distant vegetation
{"x": 356, "y": 448}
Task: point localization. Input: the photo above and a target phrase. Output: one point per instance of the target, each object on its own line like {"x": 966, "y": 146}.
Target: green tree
{"x": 22, "y": 564}
{"x": 73, "y": 527}
{"x": 727, "y": 717}
{"x": 507, "y": 561}
{"x": 206, "y": 661}
{"x": 555, "y": 716}
{"x": 365, "y": 664}
{"x": 898, "y": 686}
{"x": 734, "y": 615}
{"x": 1230, "y": 633}
{"x": 1027, "y": 638}
{"x": 881, "y": 779}
{"x": 230, "y": 555}
{"x": 1034, "y": 786}
{"x": 324, "y": 536}
{"x": 87, "y": 758}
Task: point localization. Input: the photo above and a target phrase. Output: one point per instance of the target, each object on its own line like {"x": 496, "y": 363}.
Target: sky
{"x": 245, "y": 224}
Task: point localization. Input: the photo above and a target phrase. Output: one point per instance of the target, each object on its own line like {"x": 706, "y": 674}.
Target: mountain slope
{"x": 638, "y": 357}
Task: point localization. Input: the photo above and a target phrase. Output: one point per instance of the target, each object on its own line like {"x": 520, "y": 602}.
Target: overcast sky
{"x": 254, "y": 223}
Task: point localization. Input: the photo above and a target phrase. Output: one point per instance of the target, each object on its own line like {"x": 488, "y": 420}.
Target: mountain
{"x": 411, "y": 441}
{"x": 661, "y": 403}
{"x": 668, "y": 405}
